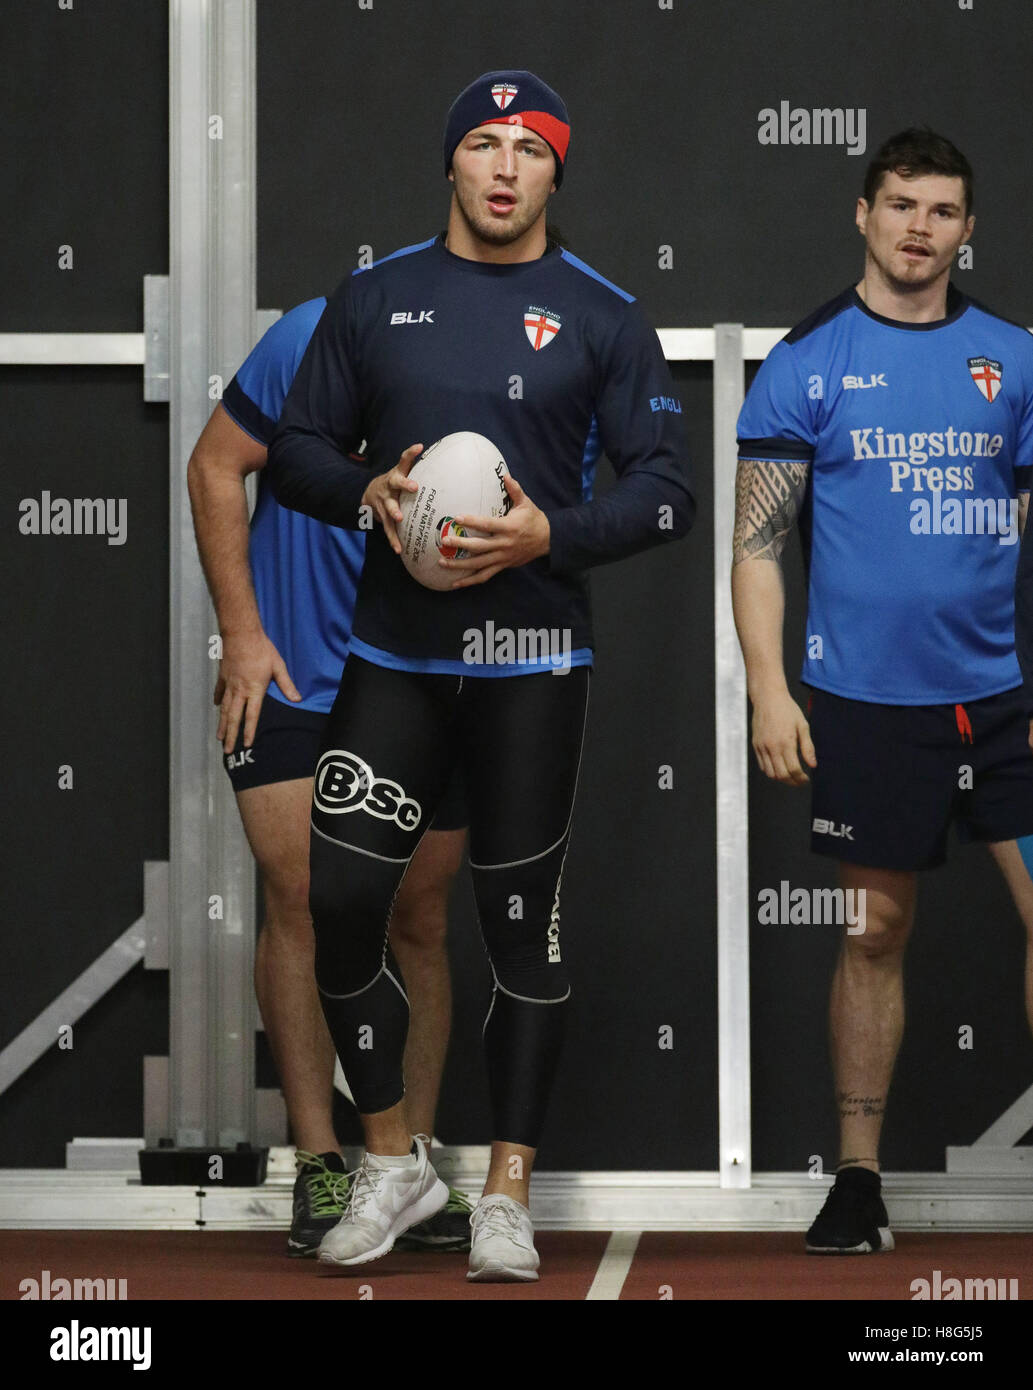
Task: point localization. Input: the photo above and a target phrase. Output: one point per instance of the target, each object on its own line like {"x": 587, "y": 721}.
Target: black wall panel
{"x": 84, "y": 113}
{"x": 664, "y": 150}
{"x": 85, "y": 633}
{"x": 84, "y": 624}
{"x": 84, "y": 121}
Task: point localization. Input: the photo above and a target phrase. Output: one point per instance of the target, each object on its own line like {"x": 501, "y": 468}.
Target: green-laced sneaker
{"x": 448, "y": 1229}
{"x": 320, "y": 1195}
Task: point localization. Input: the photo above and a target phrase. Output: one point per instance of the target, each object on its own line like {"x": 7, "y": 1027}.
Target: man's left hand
{"x": 514, "y": 539}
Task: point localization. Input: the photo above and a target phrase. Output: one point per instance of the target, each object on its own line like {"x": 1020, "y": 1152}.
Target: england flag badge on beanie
{"x": 511, "y": 97}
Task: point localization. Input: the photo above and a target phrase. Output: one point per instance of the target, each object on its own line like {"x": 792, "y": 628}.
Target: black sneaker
{"x": 448, "y": 1229}
{"x": 320, "y": 1194}
{"x": 853, "y": 1220}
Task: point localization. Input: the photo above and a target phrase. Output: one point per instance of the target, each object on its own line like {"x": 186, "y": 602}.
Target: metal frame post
{"x": 733, "y": 869}
{"x": 212, "y": 321}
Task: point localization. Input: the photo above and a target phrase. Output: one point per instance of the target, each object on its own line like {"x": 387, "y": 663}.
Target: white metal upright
{"x": 212, "y": 328}
{"x": 732, "y": 809}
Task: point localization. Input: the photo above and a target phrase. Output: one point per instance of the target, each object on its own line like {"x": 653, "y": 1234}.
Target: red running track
{"x": 248, "y": 1265}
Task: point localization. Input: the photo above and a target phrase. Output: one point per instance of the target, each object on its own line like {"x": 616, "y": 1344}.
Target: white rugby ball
{"x": 459, "y": 475}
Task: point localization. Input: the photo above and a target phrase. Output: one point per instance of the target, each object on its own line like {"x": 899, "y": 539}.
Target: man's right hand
{"x": 781, "y": 735}
{"x": 384, "y": 491}
{"x": 248, "y": 665}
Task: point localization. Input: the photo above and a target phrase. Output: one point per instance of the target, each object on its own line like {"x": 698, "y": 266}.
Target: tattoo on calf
{"x": 851, "y": 1104}
{"x": 767, "y": 499}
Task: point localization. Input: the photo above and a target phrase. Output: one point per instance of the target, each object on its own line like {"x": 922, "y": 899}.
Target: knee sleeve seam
{"x": 570, "y": 817}
{"x": 525, "y": 999}
{"x": 516, "y": 863}
{"x": 384, "y": 858}
{"x": 397, "y": 983}
{"x": 355, "y": 992}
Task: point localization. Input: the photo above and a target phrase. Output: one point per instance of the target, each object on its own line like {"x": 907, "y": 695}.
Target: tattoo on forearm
{"x": 851, "y": 1103}
{"x": 767, "y": 499}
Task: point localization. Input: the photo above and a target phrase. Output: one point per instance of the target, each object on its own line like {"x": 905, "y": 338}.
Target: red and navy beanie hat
{"x": 512, "y": 97}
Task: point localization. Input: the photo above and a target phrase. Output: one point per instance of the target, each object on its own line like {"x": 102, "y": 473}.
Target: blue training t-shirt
{"x": 919, "y": 437}
{"x": 305, "y": 573}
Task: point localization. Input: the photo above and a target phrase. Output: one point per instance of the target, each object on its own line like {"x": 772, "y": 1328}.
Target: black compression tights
{"x": 392, "y": 741}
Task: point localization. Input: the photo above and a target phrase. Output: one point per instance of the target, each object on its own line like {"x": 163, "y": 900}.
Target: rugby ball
{"x": 459, "y": 475}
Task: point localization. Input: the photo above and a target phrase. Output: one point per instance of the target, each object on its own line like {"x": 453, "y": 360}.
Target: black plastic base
{"x": 166, "y": 1166}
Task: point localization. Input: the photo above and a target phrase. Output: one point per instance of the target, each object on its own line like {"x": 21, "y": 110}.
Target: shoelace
{"x": 497, "y": 1218}
{"x": 364, "y": 1190}
{"x": 326, "y": 1189}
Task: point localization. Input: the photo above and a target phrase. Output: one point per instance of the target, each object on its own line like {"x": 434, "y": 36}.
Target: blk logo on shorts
{"x": 345, "y": 782}
{"x": 840, "y": 830}
{"x": 235, "y": 760}
{"x": 502, "y": 94}
{"x": 986, "y": 374}
{"x": 541, "y": 326}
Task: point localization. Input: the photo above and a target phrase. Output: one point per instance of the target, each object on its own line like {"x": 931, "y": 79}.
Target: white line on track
{"x": 614, "y": 1265}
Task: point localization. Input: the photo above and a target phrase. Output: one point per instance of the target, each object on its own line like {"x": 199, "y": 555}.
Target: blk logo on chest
{"x": 864, "y": 383}
{"x": 413, "y": 316}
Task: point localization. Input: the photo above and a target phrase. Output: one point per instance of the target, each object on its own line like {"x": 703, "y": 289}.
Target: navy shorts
{"x": 891, "y": 778}
{"x": 286, "y": 747}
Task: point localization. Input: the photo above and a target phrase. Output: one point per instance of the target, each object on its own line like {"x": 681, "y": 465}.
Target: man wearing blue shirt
{"x": 896, "y": 424}
{"x": 284, "y": 593}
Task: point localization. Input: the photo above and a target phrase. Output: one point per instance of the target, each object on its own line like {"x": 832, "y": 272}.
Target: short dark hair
{"x": 913, "y": 153}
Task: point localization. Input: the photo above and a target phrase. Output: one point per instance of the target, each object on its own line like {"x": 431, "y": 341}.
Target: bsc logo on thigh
{"x": 346, "y": 782}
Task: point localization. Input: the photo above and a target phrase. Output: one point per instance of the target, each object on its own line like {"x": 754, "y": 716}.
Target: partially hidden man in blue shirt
{"x": 1024, "y": 620}
{"x": 896, "y": 424}
{"x": 485, "y": 328}
{"x": 284, "y": 592}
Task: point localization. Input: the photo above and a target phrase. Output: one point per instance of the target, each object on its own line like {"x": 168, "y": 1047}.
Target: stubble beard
{"x": 906, "y": 285}
{"x": 482, "y": 225}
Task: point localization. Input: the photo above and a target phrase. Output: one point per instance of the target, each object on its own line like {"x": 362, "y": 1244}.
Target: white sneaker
{"x": 384, "y": 1200}
{"x": 502, "y": 1242}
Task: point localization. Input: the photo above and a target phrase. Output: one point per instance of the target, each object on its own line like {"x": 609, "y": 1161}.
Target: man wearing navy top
{"x": 896, "y": 423}
{"x": 492, "y": 329}
{"x": 284, "y": 597}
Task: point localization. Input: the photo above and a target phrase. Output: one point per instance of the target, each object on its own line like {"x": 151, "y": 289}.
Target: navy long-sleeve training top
{"x": 549, "y": 361}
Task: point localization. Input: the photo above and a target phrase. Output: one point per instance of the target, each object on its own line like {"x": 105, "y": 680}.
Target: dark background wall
{"x": 664, "y": 149}
{"x": 83, "y": 624}
{"x": 664, "y": 105}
